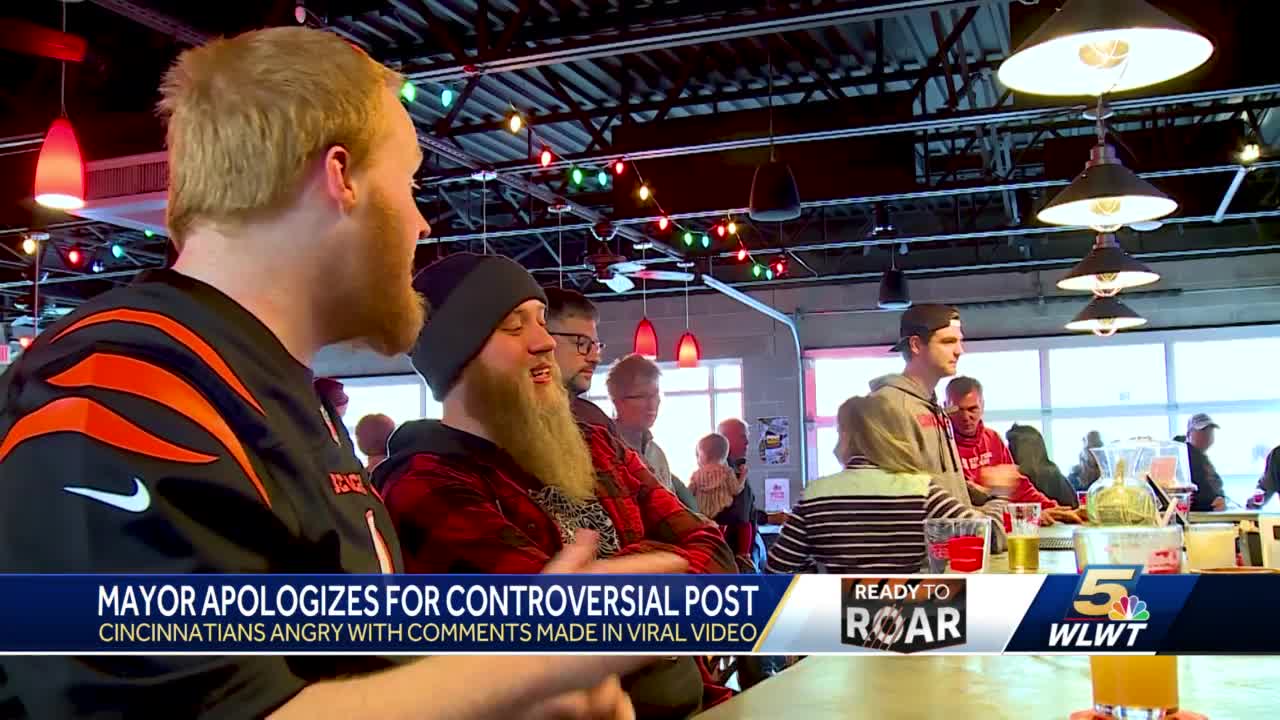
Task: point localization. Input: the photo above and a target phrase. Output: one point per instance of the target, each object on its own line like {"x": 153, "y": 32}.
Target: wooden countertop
{"x": 986, "y": 687}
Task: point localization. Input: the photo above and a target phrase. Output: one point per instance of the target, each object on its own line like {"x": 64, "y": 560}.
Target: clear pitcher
{"x": 1121, "y": 495}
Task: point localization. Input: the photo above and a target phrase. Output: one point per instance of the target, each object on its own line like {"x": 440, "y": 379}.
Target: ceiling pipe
{"x": 802, "y": 437}
{"x": 928, "y": 123}
{"x": 1230, "y": 194}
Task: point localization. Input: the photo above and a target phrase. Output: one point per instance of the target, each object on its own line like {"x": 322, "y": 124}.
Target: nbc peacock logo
{"x": 1131, "y": 608}
{"x": 1105, "y": 612}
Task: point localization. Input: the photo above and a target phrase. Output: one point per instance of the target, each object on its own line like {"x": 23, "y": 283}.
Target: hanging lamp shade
{"x": 774, "y": 195}
{"x": 688, "y": 353}
{"x": 1093, "y": 47}
{"x": 894, "y": 294}
{"x": 1107, "y": 270}
{"x": 1106, "y": 195}
{"x": 60, "y": 169}
{"x": 646, "y": 340}
{"x": 1104, "y": 316}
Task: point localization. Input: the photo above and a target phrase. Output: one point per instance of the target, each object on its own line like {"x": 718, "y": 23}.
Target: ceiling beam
{"x": 698, "y": 31}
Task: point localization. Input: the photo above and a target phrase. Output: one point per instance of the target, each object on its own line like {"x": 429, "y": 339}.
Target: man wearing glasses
{"x": 571, "y": 320}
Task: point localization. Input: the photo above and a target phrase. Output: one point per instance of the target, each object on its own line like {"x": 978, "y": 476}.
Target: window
{"x": 1068, "y": 434}
{"x": 1225, "y": 369}
{"x": 1240, "y": 448}
{"x": 1136, "y": 384}
{"x": 401, "y": 397}
{"x": 1010, "y": 380}
{"x": 840, "y": 378}
{"x": 694, "y": 401}
{"x": 1107, "y": 375}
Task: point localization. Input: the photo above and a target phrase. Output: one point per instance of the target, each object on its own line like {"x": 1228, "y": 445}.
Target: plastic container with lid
{"x": 1157, "y": 549}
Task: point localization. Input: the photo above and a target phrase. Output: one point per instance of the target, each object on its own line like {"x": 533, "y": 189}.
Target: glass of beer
{"x": 1024, "y": 537}
{"x": 1127, "y": 687}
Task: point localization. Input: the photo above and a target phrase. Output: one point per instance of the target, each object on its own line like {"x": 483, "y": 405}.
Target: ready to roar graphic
{"x": 902, "y": 615}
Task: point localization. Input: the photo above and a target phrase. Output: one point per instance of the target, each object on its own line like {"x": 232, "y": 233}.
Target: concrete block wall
{"x": 1214, "y": 292}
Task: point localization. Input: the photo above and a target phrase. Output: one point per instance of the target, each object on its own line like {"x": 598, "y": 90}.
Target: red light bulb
{"x": 663, "y": 222}
{"x": 619, "y": 167}
{"x": 742, "y": 254}
{"x": 545, "y": 157}
{"x": 720, "y": 230}
{"x": 74, "y": 257}
{"x": 24, "y": 342}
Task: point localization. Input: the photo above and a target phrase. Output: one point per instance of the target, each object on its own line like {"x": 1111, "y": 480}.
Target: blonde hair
{"x": 871, "y": 427}
{"x": 714, "y": 448}
{"x": 247, "y": 116}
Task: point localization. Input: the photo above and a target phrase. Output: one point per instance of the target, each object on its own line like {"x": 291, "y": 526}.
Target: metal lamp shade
{"x": 894, "y": 294}
{"x": 1104, "y": 316}
{"x": 774, "y": 195}
{"x": 1107, "y": 270}
{"x": 1092, "y": 47}
{"x": 1107, "y": 195}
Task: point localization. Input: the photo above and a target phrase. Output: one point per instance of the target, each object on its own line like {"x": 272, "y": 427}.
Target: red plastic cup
{"x": 966, "y": 553}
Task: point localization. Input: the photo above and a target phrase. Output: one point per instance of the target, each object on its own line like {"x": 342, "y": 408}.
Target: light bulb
{"x": 644, "y": 192}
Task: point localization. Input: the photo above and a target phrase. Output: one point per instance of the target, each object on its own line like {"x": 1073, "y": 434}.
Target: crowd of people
{"x": 174, "y": 426}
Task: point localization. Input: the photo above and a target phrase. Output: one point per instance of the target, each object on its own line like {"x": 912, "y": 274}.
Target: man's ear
{"x": 339, "y": 184}
{"x": 916, "y": 343}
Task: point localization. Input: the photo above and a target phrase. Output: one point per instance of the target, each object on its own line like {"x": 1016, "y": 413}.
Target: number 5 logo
{"x": 1110, "y": 581}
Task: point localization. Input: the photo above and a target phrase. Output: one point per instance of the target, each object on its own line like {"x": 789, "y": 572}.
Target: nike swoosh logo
{"x": 136, "y": 502}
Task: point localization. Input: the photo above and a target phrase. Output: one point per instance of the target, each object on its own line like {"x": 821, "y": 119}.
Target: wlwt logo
{"x": 1105, "y": 612}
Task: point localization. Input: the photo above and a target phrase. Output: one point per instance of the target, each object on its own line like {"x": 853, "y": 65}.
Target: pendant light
{"x": 894, "y": 294}
{"x": 59, "y": 182}
{"x": 1104, "y": 316}
{"x": 645, "y": 343}
{"x": 687, "y": 350}
{"x": 1106, "y": 195}
{"x": 1107, "y": 270}
{"x": 774, "y": 195}
{"x": 1093, "y": 47}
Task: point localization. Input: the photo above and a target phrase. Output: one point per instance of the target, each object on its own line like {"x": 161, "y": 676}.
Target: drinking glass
{"x": 1211, "y": 545}
{"x": 937, "y": 533}
{"x": 1024, "y": 537}
{"x": 1128, "y": 687}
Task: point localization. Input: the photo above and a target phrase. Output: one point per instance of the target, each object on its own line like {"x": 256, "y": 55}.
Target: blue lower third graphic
{"x": 383, "y": 614}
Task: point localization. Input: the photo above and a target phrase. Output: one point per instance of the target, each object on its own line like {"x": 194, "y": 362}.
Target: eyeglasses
{"x": 583, "y": 343}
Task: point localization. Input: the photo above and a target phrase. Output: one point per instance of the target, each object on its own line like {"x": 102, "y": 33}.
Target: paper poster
{"x": 777, "y": 495}
{"x": 775, "y": 439}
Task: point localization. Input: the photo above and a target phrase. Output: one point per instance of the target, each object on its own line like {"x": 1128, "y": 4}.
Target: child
{"x": 714, "y": 484}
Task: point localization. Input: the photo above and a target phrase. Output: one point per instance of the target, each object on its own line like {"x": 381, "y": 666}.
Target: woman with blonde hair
{"x": 870, "y": 516}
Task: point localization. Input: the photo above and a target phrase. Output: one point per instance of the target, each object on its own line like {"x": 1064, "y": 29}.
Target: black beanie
{"x": 469, "y": 295}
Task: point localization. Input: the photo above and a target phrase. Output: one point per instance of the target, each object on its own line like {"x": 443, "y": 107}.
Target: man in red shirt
{"x": 985, "y": 459}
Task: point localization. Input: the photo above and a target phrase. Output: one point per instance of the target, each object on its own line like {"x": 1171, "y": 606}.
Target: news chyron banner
{"x": 1105, "y": 609}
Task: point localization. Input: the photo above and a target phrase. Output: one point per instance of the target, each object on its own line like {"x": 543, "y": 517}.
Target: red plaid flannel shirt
{"x": 473, "y": 513}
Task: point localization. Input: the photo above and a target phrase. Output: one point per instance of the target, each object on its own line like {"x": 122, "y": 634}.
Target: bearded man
{"x": 506, "y": 478}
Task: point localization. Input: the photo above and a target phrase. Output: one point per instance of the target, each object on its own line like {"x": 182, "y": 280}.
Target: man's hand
{"x": 777, "y": 518}
{"x": 1000, "y": 479}
{"x": 580, "y": 557}
{"x": 607, "y": 701}
{"x": 1219, "y": 503}
{"x": 1062, "y": 515}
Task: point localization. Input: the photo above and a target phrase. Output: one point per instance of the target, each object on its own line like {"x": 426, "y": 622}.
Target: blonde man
{"x": 171, "y": 426}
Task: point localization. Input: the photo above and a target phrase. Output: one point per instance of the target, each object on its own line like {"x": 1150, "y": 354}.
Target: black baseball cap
{"x": 924, "y": 320}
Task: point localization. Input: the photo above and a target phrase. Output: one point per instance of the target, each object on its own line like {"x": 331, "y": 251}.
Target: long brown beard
{"x": 534, "y": 425}
{"x": 384, "y": 312}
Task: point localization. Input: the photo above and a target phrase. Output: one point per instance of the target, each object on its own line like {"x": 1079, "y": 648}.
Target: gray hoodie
{"x": 935, "y": 444}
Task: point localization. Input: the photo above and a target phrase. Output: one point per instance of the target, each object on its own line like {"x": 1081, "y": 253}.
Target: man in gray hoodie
{"x": 931, "y": 342}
